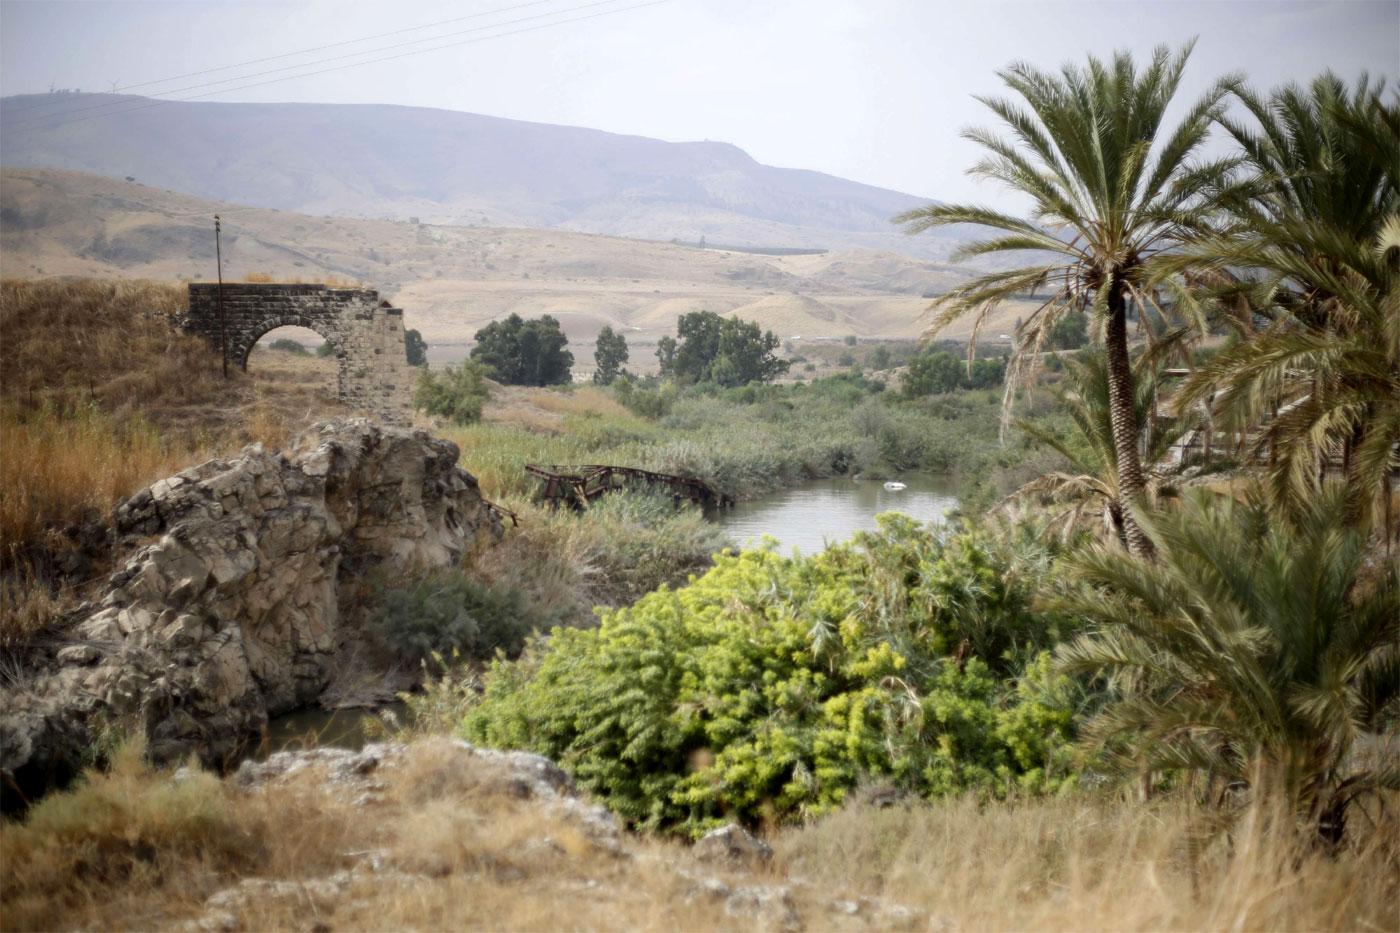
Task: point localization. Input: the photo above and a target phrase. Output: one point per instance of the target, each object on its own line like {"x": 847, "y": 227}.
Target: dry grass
{"x": 135, "y": 848}
{"x": 1083, "y": 863}
{"x": 62, "y": 467}
{"x": 104, "y": 342}
{"x": 99, "y": 396}
{"x": 543, "y": 411}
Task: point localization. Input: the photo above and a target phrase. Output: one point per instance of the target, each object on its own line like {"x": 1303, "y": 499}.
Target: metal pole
{"x": 223, "y": 321}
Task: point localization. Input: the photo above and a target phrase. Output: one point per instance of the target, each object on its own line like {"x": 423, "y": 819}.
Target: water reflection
{"x": 818, "y": 512}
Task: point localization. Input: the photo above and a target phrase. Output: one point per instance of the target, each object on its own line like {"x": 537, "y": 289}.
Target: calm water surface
{"x": 815, "y": 513}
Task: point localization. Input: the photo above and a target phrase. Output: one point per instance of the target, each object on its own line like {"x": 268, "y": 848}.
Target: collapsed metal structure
{"x": 577, "y": 486}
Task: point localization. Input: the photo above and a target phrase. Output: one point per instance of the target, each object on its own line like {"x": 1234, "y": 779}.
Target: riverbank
{"x": 750, "y": 441}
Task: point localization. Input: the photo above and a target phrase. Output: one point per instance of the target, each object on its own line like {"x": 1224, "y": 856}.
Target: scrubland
{"x": 136, "y": 848}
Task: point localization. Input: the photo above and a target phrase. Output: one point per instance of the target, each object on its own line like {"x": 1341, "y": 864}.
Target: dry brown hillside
{"x": 452, "y": 280}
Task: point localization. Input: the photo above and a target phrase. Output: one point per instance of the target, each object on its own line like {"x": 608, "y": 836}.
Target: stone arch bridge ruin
{"x": 367, "y": 335}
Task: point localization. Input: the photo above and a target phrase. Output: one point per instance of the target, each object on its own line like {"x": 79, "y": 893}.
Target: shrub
{"x": 770, "y": 687}
{"x": 287, "y": 345}
{"x": 447, "y": 612}
{"x": 457, "y": 393}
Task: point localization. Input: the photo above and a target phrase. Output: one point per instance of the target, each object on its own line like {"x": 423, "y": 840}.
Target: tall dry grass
{"x": 108, "y": 342}
{"x": 138, "y": 848}
{"x": 1093, "y": 863}
{"x": 100, "y": 395}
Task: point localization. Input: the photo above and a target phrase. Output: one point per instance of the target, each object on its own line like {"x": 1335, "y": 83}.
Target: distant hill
{"x": 376, "y": 161}
{"x": 451, "y": 280}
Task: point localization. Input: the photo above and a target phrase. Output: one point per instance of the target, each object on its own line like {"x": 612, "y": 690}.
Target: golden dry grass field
{"x": 451, "y": 281}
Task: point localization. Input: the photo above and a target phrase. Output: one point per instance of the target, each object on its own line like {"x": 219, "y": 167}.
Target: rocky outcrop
{"x": 240, "y": 592}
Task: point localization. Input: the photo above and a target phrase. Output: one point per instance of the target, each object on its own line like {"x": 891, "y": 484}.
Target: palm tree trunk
{"x": 1124, "y": 423}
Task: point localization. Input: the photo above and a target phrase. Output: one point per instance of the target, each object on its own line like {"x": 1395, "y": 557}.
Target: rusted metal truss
{"x": 577, "y": 486}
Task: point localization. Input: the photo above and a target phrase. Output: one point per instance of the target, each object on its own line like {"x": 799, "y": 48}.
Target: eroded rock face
{"x": 234, "y": 601}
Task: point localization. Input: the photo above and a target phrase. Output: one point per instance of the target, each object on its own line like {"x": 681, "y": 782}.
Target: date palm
{"x": 1309, "y": 265}
{"x": 1089, "y": 447}
{"x": 1257, "y": 650}
{"x": 1111, "y": 186}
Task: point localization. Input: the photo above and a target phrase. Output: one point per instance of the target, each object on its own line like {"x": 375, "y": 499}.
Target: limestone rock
{"x": 229, "y": 609}
{"x": 732, "y": 843}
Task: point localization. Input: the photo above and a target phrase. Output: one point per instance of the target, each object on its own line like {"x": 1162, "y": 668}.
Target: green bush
{"x": 456, "y": 393}
{"x": 287, "y": 345}
{"x": 771, "y": 686}
{"x": 447, "y": 612}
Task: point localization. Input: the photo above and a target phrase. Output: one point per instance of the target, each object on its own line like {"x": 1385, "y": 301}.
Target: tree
{"x": 1089, "y": 447}
{"x": 415, "y": 348}
{"x": 520, "y": 352}
{"x": 931, "y": 374}
{"x": 456, "y": 393}
{"x": 609, "y": 356}
{"x": 939, "y": 371}
{"x": 724, "y": 351}
{"x": 1305, "y": 277}
{"x": 1111, "y": 186}
{"x": 666, "y": 355}
{"x": 880, "y": 358}
{"x": 1070, "y": 332}
{"x": 1258, "y": 653}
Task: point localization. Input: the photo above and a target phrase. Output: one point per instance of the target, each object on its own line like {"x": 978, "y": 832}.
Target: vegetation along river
{"x": 810, "y": 515}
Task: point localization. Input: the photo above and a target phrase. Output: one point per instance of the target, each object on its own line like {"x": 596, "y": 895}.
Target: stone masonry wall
{"x": 368, "y": 336}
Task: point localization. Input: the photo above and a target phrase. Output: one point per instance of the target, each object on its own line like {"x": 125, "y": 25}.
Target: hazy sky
{"x": 873, "y": 90}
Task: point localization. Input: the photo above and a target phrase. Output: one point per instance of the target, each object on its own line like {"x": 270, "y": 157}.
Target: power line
{"x": 307, "y": 51}
{"x": 104, "y": 105}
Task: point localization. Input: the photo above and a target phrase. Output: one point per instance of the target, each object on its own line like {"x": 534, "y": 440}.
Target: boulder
{"x": 238, "y": 592}
{"x": 732, "y": 843}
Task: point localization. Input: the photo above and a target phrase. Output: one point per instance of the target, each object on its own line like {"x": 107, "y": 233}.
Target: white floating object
{"x": 891, "y": 484}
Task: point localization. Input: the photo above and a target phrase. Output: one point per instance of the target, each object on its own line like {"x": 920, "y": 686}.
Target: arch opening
{"x": 291, "y": 359}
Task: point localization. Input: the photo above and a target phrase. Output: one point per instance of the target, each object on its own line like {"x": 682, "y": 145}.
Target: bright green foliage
{"x": 609, "y": 356}
{"x": 526, "y": 353}
{"x": 770, "y": 686}
{"x": 415, "y": 348}
{"x": 456, "y": 393}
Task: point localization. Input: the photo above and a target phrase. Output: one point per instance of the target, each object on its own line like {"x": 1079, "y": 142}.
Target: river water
{"x": 810, "y": 515}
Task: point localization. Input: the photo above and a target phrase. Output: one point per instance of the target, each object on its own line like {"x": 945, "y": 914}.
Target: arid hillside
{"x": 451, "y": 280}
{"x": 453, "y": 168}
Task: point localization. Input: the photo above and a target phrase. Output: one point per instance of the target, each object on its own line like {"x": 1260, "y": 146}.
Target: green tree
{"x": 1111, "y": 186}
{"x": 880, "y": 358}
{"x": 456, "y": 393}
{"x": 1069, "y": 332}
{"x": 931, "y": 374}
{"x": 415, "y": 348}
{"x": 1257, "y": 654}
{"x": 724, "y": 351}
{"x": 609, "y": 356}
{"x": 1315, "y": 363}
{"x": 521, "y": 352}
{"x": 666, "y": 355}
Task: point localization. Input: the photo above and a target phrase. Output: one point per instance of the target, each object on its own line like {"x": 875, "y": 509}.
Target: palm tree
{"x": 1090, "y": 449}
{"x": 1316, "y": 309}
{"x": 1111, "y": 186}
{"x": 1259, "y": 655}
